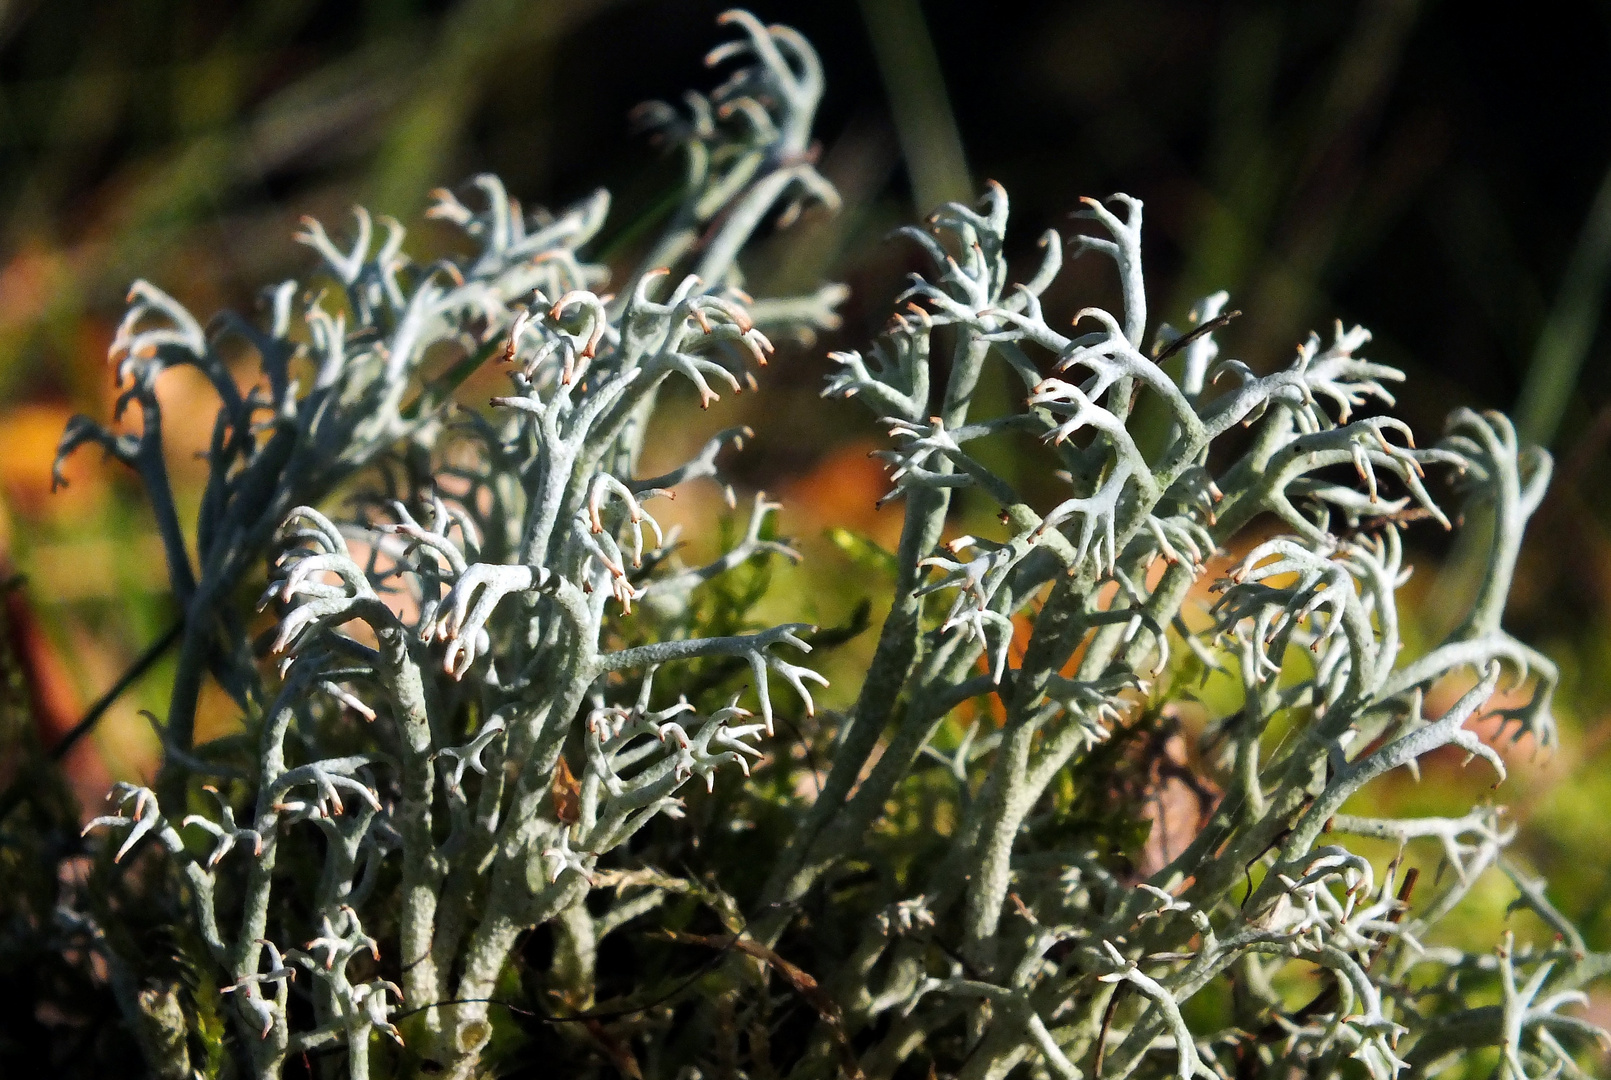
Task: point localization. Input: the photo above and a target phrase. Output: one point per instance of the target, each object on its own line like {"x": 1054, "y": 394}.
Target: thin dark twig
{"x": 582, "y": 1017}
{"x": 143, "y": 663}
{"x": 1394, "y": 917}
{"x": 1280, "y": 838}
{"x": 1102, "y": 1035}
{"x": 1186, "y": 339}
{"x": 810, "y": 756}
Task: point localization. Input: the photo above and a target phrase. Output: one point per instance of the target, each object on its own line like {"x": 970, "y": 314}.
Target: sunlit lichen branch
{"x": 1095, "y": 803}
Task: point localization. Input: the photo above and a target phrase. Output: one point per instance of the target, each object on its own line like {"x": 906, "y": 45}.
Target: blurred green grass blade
{"x": 473, "y": 39}
{"x": 1568, "y": 331}
{"x": 924, "y": 124}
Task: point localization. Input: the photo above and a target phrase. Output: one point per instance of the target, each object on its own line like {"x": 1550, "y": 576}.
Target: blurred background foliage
{"x": 1437, "y": 176}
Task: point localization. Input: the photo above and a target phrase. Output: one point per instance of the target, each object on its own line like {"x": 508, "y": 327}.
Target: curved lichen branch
{"x": 754, "y": 649}
{"x": 1510, "y": 481}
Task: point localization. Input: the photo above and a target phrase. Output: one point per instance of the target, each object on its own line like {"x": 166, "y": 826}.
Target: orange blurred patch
{"x": 1523, "y": 756}
{"x": 29, "y": 435}
{"x": 1023, "y": 628}
{"x": 189, "y": 406}
{"x": 53, "y": 699}
{"x": 216, "y": 714}
{"x": 990, "y": 705}
{"x": 92, "y": 342}
{"x": 28, "y": 283}
{"x": 844, "y": 489}
{"x": 1178, "y": 805}
{"x": 1598, "y": 1013}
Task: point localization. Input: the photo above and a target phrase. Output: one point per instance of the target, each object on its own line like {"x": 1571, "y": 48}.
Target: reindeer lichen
{"x": 466, "y": 737}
